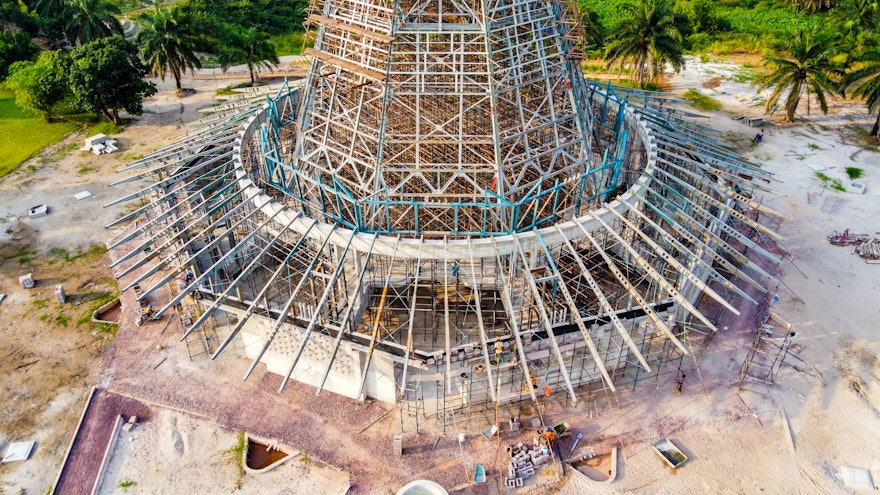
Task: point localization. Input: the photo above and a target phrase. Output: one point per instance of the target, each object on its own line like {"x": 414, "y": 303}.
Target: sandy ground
{"x": 735, "y": 444}
{"x": 830, "y": 296}
{"x": 175, "y": 450}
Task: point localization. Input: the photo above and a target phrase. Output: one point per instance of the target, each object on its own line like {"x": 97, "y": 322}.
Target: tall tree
{"x": 251, "y": 48}
{"x": 650, "y": 36}
{"x": 107, "y": 75}
{"x": 88, "y": 20}
{"x": 805, "y": 67}
{"x": 15, "y": 45}
{"x": 864, "y": 82}
{"x": 167, "y": 44}
{"x": 41, "y": 85}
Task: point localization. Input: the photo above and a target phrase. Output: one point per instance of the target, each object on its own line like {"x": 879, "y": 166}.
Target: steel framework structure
{"x": 446, "y": 214}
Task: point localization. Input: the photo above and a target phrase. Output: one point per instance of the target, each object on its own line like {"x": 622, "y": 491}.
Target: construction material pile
{"x": 100, "y": 144}
{"x": 846, "y": 238}
{"x": 869, "y": 250}
{"x": 524, "y": 459}
{"x": 862, "y": 244}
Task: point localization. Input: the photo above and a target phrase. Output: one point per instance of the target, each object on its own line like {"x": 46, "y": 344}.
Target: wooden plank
{"x": 326, "y": 21}
{"x": 344, "y": 64}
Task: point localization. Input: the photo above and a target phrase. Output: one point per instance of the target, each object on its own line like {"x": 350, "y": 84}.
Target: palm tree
{"x": 167, "y": 45}
{"x": 806, "y": 67}
{"x": 88, "y": 20}
{"x": 864, "y": 81}
{"x": 650, "y": 36}
{"x": 249, "y": 47}
{"x": 813, "y": 5}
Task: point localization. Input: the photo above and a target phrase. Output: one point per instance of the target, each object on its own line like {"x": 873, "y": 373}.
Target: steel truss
{"x": 445, "y": 205}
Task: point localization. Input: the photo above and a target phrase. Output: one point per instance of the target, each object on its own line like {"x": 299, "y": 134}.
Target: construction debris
{"x": 846, "y": 238}
{"x": 862, "y": 244}
{"x": 869, "y": 250}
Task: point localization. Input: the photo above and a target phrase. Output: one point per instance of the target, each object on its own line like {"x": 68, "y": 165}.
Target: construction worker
{"x": 549, "y": 434}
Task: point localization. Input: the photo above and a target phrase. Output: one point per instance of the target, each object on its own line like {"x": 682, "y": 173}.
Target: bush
{"x": 854, "y": 172}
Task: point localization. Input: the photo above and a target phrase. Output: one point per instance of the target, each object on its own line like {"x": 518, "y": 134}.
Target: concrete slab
{"x": 19, "y": 451}
{"x": 82, "y": 195}
{"x": 854, "y": 477}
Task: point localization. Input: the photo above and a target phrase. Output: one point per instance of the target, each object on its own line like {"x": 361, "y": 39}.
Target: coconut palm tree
{"x": 167, "y": 45}
{"x": 249, "y": 47}
{"x": 864, "y": 81}
{"x": 806, "y": 67}
{"x": 650, "y": 36}
{"x": 88, "y": 20}
{"x": 813, "y": 5}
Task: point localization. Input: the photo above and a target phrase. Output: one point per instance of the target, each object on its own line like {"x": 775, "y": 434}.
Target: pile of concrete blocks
{"x": 100, "y": 144}
{"x": 524, "y": 460}
{"x": 27, "y": 281}
{"x": 60, "y": 295}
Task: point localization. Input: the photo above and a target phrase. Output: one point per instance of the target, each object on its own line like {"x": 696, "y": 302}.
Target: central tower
{"x": 442, "y": 118}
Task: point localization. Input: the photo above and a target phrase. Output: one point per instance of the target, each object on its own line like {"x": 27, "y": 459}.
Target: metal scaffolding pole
{"x": 313, "y": 321}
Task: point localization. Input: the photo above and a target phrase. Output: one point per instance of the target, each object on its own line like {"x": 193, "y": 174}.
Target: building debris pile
{"x": 862, "y": 244}
{"x": 524, "y": 460}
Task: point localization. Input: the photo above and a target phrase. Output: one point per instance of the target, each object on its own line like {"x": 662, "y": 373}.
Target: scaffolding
{"x": 447, "y": 216}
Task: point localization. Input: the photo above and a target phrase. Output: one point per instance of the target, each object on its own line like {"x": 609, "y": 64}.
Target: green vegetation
{"x": 292, "y": 43}
{"x": 807, "y": 65}
{"x": 647, "y": 39}
{"x": 103, "y": 127}
{"x": 126, "y": 484}
{"x": 25, "y": 256}
{"x": 64, "y": 255}
{"x": 829, "y": 183}
{"x": 24, "y": 133}
{"x": 701, "y": 101}
{"x": 107, "y": 75}
{"x": 864, "y": 81}
{"x": 235, "y": 456}
{"x": 854, "y": 172}
{"x": 168, "y": 39}
{"x": 251, "y": 48}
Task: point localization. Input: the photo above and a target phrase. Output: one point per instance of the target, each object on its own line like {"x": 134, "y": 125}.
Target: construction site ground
{"x": 828, "y": 398}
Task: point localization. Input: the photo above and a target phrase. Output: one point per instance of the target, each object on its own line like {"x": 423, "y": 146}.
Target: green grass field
{"x": 291, "y": 43}
{"x": 23, "y": 133}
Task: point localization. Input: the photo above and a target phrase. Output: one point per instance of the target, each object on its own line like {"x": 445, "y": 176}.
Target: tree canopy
{"x": 41, "y": 85}
{"x": 806, "y": 66}
{"x": 650, "y": 36}
{"x": 107, "y": 75}
{"x": 864, "y": 82}
{"x": 167, "y": 43}
{"x": 249, "y": 47}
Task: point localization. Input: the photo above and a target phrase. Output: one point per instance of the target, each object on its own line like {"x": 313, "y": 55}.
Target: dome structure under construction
{"x": 445, "y": 213}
